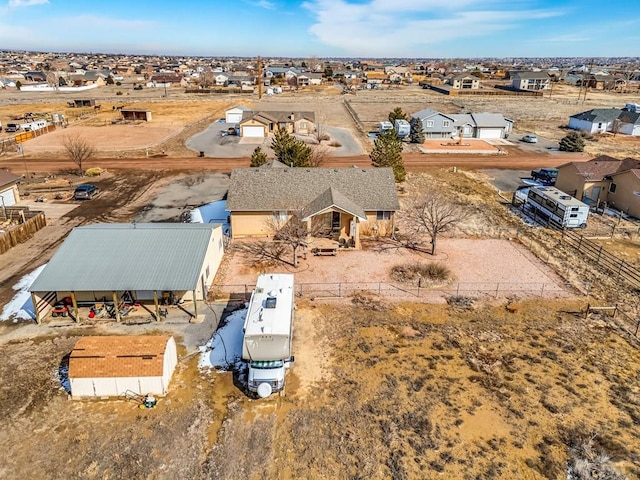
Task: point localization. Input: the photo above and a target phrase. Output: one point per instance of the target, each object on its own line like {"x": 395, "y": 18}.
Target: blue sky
{"x": 326, "y": 28}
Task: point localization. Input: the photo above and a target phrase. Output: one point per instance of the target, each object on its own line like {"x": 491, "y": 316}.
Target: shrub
{"x": 118, "y": 92}
{"x": 432, "y": 272}
{"x": 573, "y": 142}
{"x": 119, "y": 83}
{"x": 94, "y": 172}
{"x": 335, "y": 143}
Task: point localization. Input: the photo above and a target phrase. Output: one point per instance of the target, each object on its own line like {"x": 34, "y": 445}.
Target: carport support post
{"x": 195, "y": 305}
{"x": 116, "y": 306}
{"x": 36, "y": 310}
{"x": 76, "y": 313}
{"x": 155, "y": 302}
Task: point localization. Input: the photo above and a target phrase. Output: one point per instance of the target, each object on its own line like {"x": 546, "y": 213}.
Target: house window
{"x": 446, "y": 123}
{"x": 430, "y": 123}
{"x": 612, "y": 188}
{"x": 280, "y": 216}
{"x": 303, "y": 125}
{"x": 383, "y": 215}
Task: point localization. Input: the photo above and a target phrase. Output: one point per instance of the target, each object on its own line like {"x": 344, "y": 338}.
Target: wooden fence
{"x": 22, "y": 224}
{"x": 604, "y": 259}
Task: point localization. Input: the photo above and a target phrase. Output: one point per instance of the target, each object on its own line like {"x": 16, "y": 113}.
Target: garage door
{"x": 491, "y": 133}
{"x": 253, "y": 131}
{"x": 233, "y": 117}
{"x": 8, "y": 198}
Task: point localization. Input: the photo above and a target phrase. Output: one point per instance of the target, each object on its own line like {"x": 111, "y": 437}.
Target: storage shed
{"x": 142, "y": 262}
{"x": 133, "y": 115}
{"x": 234, "y": 114}
{"x": 113, "y": 366}
{"x": 9, "y": 194}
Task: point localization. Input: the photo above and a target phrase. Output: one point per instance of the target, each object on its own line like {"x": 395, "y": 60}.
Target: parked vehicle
{"x": 546, "y": 176}
{"x": 403, "y": 129}
{"x": 530, "y": 138}
{"x": 61, "y": 309}
{"x": 268, "y": 329}
{"x": 85, "y": 192}
{"x": 12, "y": 127}
{"x": 385, "y": 126}
{"x": 557, "y": 208}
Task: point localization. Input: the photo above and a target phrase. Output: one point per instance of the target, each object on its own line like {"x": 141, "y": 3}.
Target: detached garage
{"x": 113, "y": 366}
{"x": 234, "y": 114}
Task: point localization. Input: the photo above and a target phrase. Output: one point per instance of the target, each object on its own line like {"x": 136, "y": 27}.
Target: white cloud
{"x": 26, "y": 3}
{"x": 392, "y": 28}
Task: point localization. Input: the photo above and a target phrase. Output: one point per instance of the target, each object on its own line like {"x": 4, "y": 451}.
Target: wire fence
{"x": 622, "y": 318}
{"x": 242, "y": 292}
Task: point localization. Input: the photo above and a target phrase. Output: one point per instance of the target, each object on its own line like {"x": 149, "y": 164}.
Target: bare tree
{"x": 433, "y": 214}
{"x": 319, "y": 154}
{"x": 292, "y": 231}
{"x": 320, "y": 132}
{"x": 78, "y": 149}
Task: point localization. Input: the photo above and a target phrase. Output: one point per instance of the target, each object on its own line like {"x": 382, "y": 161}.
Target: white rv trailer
{"x": 268, "y": 329}
{"x": 557, "y": 208}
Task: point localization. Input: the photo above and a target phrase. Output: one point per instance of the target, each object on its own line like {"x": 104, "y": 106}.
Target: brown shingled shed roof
{"x": 118, "y": 356}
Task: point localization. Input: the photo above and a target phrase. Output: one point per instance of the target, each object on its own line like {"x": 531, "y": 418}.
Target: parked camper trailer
{"x": 403, "y": 128}
{"x": 385, "y": 126}
{"x": 557, "y": 208}
{"x": 12, "y": 127}
{"x": 36, "y": 125}
{"x": 268, "y": 329}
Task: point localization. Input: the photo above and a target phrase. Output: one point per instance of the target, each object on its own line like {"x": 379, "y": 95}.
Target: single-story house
{"x": 264, "y": 123}
{"x": 143, "y": 262}
{"x": 9, "y": 194}
{"x": 234, "y": 114}
{"x": 469, "y": 125}
{"x": 590, "y": 181}
{"x": 345, "y": 202}
{"x": 601, "y": 120}
{"x": 113, "y": 366}
{"x": 530, "y": 80}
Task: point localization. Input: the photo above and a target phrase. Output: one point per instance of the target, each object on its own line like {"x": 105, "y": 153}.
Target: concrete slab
{"x": 51, "y": 210}
{"x": 251, "y": 140}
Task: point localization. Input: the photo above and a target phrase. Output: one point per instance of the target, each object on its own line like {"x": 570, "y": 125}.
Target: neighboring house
{"x": 34, "y": 76}
{"x": 141, "y": 261}
{"x": 262, "y": 124}
{"x": 234, "y": 114}
{"x": 306, "y": 79}
{"x": 590, "y": 181}
{"x": 165, "y": 80}
{"x": 469, "y": 125}
{"x": 345, "y": 202}
{"x": 9, "y": 194}
{"x": 601, "y": 120}
{"x": 530, "y": 80}
{"x": 109, "y": 366}
{"x": 464, "y": 82}
{"x": 605, "y": 82}
{"x": 376, "y": 77}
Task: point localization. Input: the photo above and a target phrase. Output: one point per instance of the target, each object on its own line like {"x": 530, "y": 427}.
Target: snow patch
{"x": 224, "y": 350}
{"x": 20, "y": 307}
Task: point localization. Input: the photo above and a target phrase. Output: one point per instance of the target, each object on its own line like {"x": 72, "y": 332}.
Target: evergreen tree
{"x": 387, "y": 152}
{"x": 573, "y": 142}
{"x": 258, "y": 157}
{"x": 397, "y": 114}
{"x": 289, "y": 150}
{"x": 417, "y": 133}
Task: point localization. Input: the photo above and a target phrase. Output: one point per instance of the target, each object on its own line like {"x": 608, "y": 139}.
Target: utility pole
{"x": 259, "y": 77}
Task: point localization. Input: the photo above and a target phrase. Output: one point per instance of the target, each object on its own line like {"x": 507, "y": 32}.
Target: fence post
{"x": 379, "y": 288}
{"x": 339, "y": 289}
{"x": 542, "y": 291}
{"x": 458, "y": 290}
{"x": 599, "y": 253}
{"x": 586, "y": 313}
{"x": 637, "y": 327}
{"x": 497, "y": 288}
{"x": 245, "y": 292}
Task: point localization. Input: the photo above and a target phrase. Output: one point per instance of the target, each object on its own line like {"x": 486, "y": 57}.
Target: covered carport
{"x": 117, "y": 265}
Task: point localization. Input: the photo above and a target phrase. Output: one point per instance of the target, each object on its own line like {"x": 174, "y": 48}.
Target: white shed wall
{"x": 584, "y": 125}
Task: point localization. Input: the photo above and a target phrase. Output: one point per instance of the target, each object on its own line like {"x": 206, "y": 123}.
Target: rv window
{"x": 612, "y": 188}
{"x": 573, "y": 215}
{"x": 575, "y": 209}
{"x": 270, "y": 302}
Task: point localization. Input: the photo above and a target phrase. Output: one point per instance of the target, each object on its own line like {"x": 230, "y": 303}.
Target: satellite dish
{"x": 264, "y": 390}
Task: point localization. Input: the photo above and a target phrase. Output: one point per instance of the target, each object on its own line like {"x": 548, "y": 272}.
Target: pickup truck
{"x": 546, "y": 176}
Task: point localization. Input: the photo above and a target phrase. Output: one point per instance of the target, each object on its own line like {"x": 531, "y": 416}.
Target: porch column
{"x": 357, "y": 233}
{"x": 116, "y": 306}
{"x": 76, "y": 313}
{"x": 195, "y": 305}
{"x": 155, "y": 303}
{"x": 36, "y": 310}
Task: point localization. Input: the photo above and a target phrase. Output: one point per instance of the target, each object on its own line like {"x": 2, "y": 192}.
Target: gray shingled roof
{"x": 283, "y": 116}
{"x": 333, "y": 198}
{"x": 258, "y": 189}
{"x": 119, "y": 257}
{"x": 426, "y": 113}
{"x": 599, "y": 115}
{"x": 527, "y": 75}
{"x": 487, "y": 120}
{"x": 8, "y": 178}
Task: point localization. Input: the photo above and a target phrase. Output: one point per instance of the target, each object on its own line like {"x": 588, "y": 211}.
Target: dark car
{"x": 546, "y": 176}
{"x": 85, "y": 192}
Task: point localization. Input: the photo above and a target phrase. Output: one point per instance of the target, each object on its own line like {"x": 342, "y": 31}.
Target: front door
{"x": 335, "y": 222}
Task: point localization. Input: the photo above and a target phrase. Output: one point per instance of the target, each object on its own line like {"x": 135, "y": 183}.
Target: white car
{"x": 530, "y": 138}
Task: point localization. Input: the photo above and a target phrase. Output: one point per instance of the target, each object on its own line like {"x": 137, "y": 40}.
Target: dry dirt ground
{"x": 473, "y": 389}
